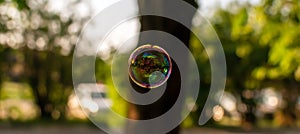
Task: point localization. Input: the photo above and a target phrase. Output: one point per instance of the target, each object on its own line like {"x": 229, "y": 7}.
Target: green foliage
{"x": 21, "y": 4}
{"x": 36, "y": 46}
{"x": 10, "y": 90}
{"x": 261, "y": 44}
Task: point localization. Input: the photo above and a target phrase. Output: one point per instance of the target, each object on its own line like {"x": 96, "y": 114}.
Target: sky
{"x": 130, "y": 28}
{"x": 99, "y": 5}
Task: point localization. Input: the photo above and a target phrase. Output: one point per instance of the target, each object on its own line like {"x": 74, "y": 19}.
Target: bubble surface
{"x": 149, "y": 66}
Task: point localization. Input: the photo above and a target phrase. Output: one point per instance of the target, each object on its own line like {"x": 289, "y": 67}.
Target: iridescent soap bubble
{"x": 149, "y": 66}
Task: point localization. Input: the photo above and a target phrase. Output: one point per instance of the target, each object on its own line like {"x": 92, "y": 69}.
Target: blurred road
{"x": 50, "y": 129}
{"x": 85, "y": 129}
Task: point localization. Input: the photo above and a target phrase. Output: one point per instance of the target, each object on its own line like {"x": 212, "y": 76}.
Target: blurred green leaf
{"x": 21, "y": 4}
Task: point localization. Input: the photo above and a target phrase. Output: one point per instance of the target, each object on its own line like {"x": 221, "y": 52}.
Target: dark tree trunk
{"x": 38, "y": 80}
{"x": 290, "y": 94}
{"x": 142, "y": 112}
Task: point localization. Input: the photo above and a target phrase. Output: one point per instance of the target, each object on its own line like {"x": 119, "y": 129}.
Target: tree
{"x": 41, "y": 40}
{"x": 260, "y": 44}
{"x": 140, "y": 112}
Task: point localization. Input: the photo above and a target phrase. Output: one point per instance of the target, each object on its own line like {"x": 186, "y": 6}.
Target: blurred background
{"x": 260, "y": 39}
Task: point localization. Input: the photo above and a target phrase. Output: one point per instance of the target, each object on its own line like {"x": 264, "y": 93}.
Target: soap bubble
{"x": 149, "y": 66}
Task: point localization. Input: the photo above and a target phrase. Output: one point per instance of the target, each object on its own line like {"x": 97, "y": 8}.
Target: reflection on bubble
{"x": 149, "y": 66}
